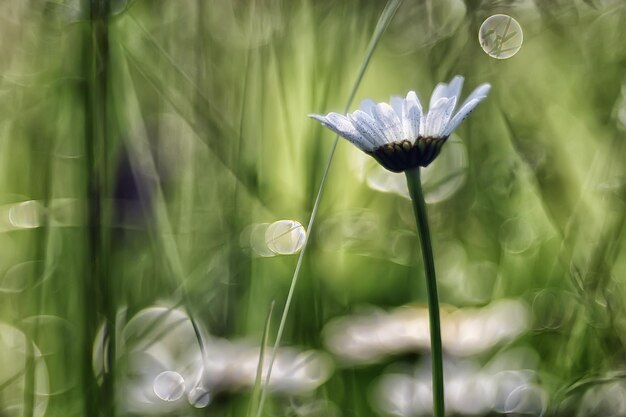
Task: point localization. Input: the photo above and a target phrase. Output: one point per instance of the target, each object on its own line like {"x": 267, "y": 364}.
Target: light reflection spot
{"x": 169, "y": 386}
{"x": 199, "y": 397}
{"x": 285, "y": 237}
{"x": 26, "y": 215}
{"x": 500, "y": 36}
{"x": 526, "y": 399}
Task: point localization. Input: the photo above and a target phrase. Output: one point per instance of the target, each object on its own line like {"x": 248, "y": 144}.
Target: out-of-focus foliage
{"x": 207, "y": 161}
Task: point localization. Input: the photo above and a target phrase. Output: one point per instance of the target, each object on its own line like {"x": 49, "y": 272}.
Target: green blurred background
{"x": 148, "y": 147}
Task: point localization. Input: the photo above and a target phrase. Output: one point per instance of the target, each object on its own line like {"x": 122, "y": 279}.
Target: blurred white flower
{"x": 166, "y": 371}
{"x": 370, "y": 337}
{"x": 604, "y": 398}
{"x": 470, "y": 390}
{"x": 400, "y": 135}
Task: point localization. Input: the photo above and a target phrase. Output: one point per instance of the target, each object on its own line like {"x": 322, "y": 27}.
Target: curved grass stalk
{"x": 382, "y": 24}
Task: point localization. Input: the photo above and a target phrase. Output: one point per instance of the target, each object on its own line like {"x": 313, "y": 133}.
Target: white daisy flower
{"x": 400, "y": 135}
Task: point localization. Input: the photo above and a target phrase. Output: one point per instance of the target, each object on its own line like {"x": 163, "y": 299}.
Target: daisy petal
{"x": 367, "y": 105}
{"x": 397, "y": 102}
{"x": 388, "y": 121}
{"x": 440, "y": 120}
{"x": 319, "y": 118}
{"x": 454, "y": 88}
{"x": 467, "y": 107}
{"x": 479, "y": 94}
{"x": 411, "y": 116}
{"x": 438, "y": 93}
{"x": 461, "y": 115}
{"x": 438, "y": 117}
{"x": 343, "y": 127}
{"x": 367, "y": 127}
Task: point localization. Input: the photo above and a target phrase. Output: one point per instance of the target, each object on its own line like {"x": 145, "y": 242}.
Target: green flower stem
{"x": 421, "y": 218}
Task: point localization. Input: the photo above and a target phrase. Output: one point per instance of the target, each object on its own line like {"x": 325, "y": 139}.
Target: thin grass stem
{"x": 259, "y": 372}
{"x": 383, "y": 22}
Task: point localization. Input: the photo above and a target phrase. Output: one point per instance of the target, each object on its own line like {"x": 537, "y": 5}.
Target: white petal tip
{"x": 367, "y": 105}
{"x": 483, "y": 90}
{"x": 317, "y": 117}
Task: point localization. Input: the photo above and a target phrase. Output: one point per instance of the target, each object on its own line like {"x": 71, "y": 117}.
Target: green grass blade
{"x": 383, "y": 22}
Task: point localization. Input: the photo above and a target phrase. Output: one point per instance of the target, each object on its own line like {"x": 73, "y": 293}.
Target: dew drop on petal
{"x": 199, "y": 397}
{"x": 169, "y": 386}
{"x": 500, "y": 36}
{"x": 285, "y": 237}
